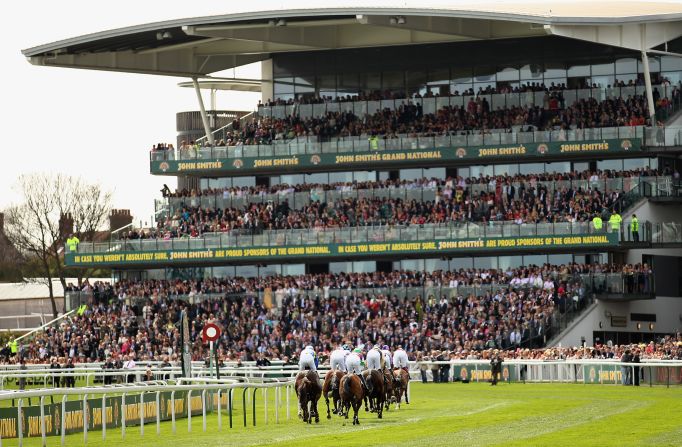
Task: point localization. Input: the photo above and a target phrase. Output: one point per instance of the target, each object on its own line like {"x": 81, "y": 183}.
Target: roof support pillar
{"x": 202, "y": 110}
{"x": 647, "y": 76}
{"x": 649, "y": 92}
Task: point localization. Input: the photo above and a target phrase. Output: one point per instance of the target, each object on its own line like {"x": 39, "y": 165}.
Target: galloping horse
{"x": 375, "y": 391}
{"x": 308, "y": 391}
{"x": 331, "y": 383}
{"x": 401, "y": 380}
{"x": 351, "y": 393}
{"x": 388, "y": 388}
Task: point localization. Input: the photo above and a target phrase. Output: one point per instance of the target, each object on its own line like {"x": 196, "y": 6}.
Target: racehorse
{"x": 308, "y": 391}
{"x": 331, "y": 384}
{"x": 351, "y": 393}
{"x": 375, "y": 391}
{"x": 401, "y": 380}
{"x": 388, "y": 388}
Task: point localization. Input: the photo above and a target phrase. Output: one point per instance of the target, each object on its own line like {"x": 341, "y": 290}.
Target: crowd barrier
{"x": 121, "y": 406}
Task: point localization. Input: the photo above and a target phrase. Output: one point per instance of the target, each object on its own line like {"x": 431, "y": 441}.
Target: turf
{"x": 446, "y": 414}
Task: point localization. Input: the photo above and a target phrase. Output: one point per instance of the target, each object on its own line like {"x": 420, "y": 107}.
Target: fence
{"x": 584, "y": 371}
{"x": 105, "y": 408}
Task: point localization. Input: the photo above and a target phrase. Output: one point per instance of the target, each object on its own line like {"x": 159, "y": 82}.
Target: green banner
{"x": 72, "y": 418}
{"x": 483, "y": 373}
{"x": 227, "y": 161}
{"x": 332, "y": 251}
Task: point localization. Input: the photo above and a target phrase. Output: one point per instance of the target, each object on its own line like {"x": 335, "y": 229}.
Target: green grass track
{"x": 443, "y": 415}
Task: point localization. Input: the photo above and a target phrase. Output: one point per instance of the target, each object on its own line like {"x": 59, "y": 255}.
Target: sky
{"x": 93, "y": 124}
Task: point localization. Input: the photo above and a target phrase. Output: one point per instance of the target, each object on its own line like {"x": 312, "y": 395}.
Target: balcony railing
{"x": 359, "y": 144}
{"x": 297, "y": 200}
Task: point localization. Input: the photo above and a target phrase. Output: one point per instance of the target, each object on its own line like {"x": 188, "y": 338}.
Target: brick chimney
{"x": 119, "y": 218}
{"x": 65, "y": 225}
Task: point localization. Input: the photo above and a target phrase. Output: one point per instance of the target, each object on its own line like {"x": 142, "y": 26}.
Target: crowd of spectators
{"x": 278, "y": 315}
{"x": 377, "y": 95}
{"x": 593, "y": 177}
{"x": 409, "y": 119}
{"x": 522, "y": 199}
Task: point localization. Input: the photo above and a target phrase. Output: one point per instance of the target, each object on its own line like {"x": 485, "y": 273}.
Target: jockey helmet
{"x": 385, "y": 347}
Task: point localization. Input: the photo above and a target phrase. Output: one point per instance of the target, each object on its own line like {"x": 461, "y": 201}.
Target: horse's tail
{"x": 333, "y": 385}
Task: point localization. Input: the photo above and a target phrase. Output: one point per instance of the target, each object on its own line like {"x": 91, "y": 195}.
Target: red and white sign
{"x": 211, "y": 332}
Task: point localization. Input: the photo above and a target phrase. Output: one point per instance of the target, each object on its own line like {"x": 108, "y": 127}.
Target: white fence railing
{"x": 107, "y": 407}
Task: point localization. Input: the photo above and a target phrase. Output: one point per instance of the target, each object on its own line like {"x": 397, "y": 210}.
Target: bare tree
{"x": 36, "y": 225}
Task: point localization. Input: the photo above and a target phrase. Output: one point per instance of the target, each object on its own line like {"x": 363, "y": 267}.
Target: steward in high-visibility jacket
{"x": 72, "y": 243}
{"x": 614, "y": 221}
{"x": 374, "y": 143}
{"x": 597, "y": 223}
{"x": 634, "y": 228}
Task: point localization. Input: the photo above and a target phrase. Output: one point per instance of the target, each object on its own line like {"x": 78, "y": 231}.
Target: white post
{"x": 85, "y": 418}
{"x": 20, "y": 426}
{"x": 265, "y": 400}
{"x": 63, "y": 419}
{"x": 203, "y": 409}
{"x": 173, "y": 410}
{"x": 141, "y": 409}
{"x": 202, "y": 110}
{"x": 104, "y": 417}
{"x": 647, "y": 75}
{"x": 42, "y": 420}
{"x": 220, "y": 418}
{"x": 189, "y": 411}
{"x": 123, "y": 415}
{"x": 158, "y": 413}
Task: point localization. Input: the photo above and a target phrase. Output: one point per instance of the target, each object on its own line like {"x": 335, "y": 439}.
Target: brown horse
{"x": 388, "y": 389}
{"x": 375, "y": 391}
{"x": 351, "y": 393}
{"x": 331, "y": 384}
{"x": 401, "y": 380}
{"x": 308, "y": 391}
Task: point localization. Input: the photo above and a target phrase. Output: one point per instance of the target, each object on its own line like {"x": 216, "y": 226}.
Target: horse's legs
{"x": 407, "y": 401}
{"x": 356, "y": 407}
{"x": 317, "y": 414}
{"x": 326, "y": 400}
{"x": 366, "y": 407}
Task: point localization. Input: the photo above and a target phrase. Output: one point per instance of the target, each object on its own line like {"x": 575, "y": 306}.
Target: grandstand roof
{"x": 203, "y": 45}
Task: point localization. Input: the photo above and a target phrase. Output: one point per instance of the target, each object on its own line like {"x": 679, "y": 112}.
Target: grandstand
{"x": 376, "y": 147}
{"x": 452, "y": 180}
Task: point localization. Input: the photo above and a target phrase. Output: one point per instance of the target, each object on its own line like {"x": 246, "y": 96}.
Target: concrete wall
{"x": 668, "y": 312}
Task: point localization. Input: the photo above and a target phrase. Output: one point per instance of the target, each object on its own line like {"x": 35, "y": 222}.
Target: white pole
{"x": 45, "y": 325}
{"x": 647, "y": 76}
{"x": 202, "y": 110}
{"x": 42, "y": 420}
{"x": 85, "y": 418}
{"x": 104, "y": 417}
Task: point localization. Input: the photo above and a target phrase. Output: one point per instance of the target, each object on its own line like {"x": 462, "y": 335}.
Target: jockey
{"x": 308, "y": 359}
{"x": 400, "y": 359}
{"x": 337, "y": 359}
{"x": 375, "y": 358}
{"x": 353, "y": 364}
{"x": 386, "y": 353}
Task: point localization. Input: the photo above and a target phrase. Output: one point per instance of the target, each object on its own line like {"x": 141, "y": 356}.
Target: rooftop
{"x": 200, "y": 46}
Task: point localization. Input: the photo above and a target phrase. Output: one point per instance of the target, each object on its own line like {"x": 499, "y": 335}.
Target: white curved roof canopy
{"x": 204, "y": 45}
